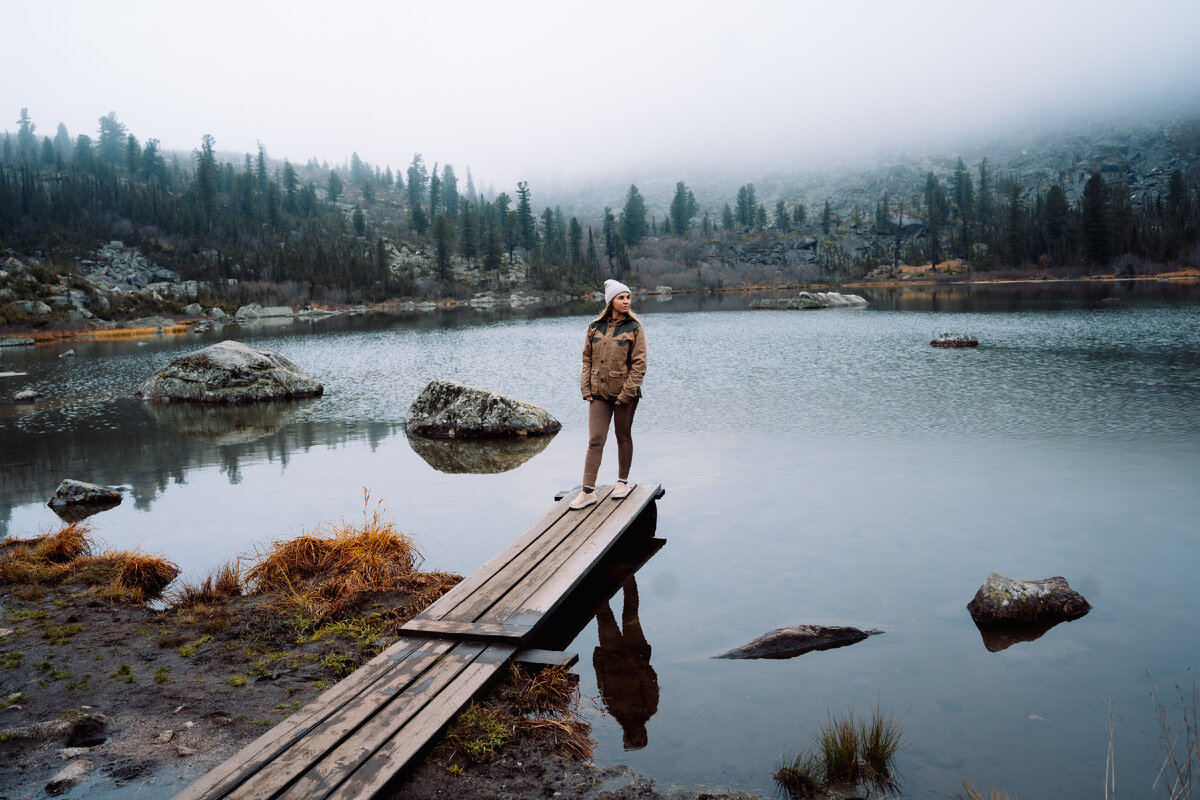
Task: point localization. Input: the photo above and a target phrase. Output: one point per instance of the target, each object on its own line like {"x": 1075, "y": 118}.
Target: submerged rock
{"x": 449, "y": 410}
{"x": 229, "y": 372}
{"x": 1003, "y": 601}
{"x": 73, "y": 492}
{"x": 812, "y": 300}
{"x": 798, "y": 640}
{"x": 954, "y": 340}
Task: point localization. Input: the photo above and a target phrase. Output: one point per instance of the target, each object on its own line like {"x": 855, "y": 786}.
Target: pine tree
{"x": 468, "y": 231}
{"x": 443, "y": 243}
{"x": 1094, "y": 223}
{"x": 526, "y": 225}
{"x": 418, "y": 180}
{"x": 633, "y": 217}
{"x": 575, "y": 242}
{"x": 450, "y": 192}
{"x": 26, "y": 140}
{"x": 683, "y": 208}
{"x": 204, "y": 180}
{"x": 435, "y": 192}
{"x": 727, "y": 220}
{"x": 333, "y": 187}
{"x": 782, "y": 218}
{"x": 110, "y": 146}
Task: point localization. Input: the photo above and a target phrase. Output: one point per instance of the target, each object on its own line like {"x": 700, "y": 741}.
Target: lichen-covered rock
{"x": 955, "y": 340}
{"x": 797, "y": 640}
{"x": 73, "y": 492}
{"x": 229, "y": 372}
{"x": 449, "y": 410}
{"x": 1004, "y": 601}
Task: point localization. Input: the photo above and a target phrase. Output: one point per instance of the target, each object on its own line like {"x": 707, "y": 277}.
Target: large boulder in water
{"x": 1003, "y": 601}
{"x": 76, "y": 500}
{"x": 229, "y": 372}
{"x": 797, "y": 640}
{"x": 449, "y": 410}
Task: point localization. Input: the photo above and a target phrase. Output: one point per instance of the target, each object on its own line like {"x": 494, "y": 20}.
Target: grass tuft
{"x": 66, "y": 556}
{"x": 327, "y": 576}
{"x": 849, "y": 752}
{"x": 218, "y": 586}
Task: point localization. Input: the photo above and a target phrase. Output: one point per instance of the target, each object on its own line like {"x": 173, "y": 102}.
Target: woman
{"x": 614, "y": 363}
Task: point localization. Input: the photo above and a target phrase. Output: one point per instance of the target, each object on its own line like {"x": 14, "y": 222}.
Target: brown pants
{"x": 600, "y": 413}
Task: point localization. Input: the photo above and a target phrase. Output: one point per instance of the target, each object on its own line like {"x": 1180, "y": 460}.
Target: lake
{"x": 824, "y": 467}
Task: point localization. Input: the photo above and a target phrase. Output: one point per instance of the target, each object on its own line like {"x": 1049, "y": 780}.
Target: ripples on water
{"x": 820, "y": 467}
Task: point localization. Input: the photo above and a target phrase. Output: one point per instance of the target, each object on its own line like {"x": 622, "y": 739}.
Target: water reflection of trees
{"x": 132, "y": 449}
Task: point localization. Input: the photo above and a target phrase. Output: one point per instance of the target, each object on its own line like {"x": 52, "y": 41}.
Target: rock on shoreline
{"x": 812, "y": 300}
{"x": 229, "y": 372}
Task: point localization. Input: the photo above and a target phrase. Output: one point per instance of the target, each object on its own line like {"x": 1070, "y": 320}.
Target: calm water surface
{"x": 820, "y": 467}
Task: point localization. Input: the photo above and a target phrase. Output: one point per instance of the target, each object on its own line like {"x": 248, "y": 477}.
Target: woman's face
{"x": 622, "y": 302}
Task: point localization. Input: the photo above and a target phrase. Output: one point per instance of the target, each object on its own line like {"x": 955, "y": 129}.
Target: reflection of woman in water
{"x": 628, "y": 684}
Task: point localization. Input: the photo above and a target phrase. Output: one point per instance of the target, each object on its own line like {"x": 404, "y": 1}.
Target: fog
{"x": 559, "y": 91}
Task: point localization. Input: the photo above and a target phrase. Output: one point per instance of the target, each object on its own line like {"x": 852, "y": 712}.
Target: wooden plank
{"x": 405, "y": 656}
{"x": 366, "y": 762}
{"x": 479, "y": 577}
{"x": 468, "y": 600}
{"x": 546, "y": 658}
{"x": 470, "y": 631}
{"x": 545, "y": 587}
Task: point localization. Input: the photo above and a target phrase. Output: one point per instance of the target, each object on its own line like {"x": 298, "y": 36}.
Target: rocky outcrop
{"x": 254, "y": 311}
{"x": 797, "y": 640}
{"x": 812, "y": 300}
{"x": 1003, "y": 601}
{"x": 115, "y": 266}
{"x": 15, "y": 341}
{"x": 955, "y": 340}
{"x": 449, "y": 410}
{"x": 229, "y": 372}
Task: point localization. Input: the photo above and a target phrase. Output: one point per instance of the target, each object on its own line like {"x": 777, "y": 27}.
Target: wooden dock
{"x": 356, "y": 739}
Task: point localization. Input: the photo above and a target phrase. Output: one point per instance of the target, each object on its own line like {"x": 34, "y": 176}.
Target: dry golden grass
{"x": 65, "y": 556}
{"x": 132, "y": 333}
{"x": 327, "y": 576}
{"x": 217, "y": 587}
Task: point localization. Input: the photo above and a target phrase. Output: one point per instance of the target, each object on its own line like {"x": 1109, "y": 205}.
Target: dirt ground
{"x": 103, "y": 699}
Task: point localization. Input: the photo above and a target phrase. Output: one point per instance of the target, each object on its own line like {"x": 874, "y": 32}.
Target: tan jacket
{"x": 614, "y": 360}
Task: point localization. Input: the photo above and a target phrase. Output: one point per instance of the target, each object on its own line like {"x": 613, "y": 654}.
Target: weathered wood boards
{"x": 356, "y": 738}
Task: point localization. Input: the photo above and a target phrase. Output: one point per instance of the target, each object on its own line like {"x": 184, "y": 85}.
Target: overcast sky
{"x": 551, "y": 89}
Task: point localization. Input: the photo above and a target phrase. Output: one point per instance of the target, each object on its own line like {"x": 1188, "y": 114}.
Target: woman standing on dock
{"x": 614, "y": 363}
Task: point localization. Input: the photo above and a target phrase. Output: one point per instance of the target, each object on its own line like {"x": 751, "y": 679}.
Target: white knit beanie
{"x": 612, "y": 289}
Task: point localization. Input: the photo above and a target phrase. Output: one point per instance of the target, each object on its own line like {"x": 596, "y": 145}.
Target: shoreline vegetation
{"x": 950, "y": 276}
{"x": 112, "y": 668}
{"x": 115, "y": 227}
